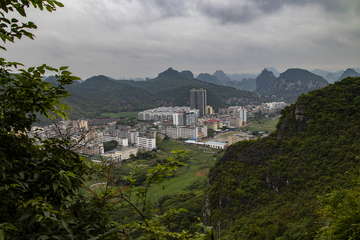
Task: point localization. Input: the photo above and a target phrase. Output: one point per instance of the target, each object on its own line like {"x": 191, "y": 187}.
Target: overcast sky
{"x": 141, "y": 38}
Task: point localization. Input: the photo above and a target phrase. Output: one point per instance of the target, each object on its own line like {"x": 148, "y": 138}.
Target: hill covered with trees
{"x": 103, "y": 94}
{"x": 268, "y": 188}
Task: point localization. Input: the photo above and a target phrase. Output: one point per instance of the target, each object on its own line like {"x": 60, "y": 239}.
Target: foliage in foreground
{"x": 340, "y": 212}
{"x": 43, "y": 183}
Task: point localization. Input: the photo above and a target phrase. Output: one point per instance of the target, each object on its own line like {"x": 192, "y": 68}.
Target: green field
{"x": 185, "y": 176}
{"x": 262, "y": 125}
{"x": 120, "y": 114}
{"x": 229, "y": 134}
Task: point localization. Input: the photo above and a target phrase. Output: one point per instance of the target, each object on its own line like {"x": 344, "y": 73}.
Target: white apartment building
{"x": 186, "y": 132}
{"x": 124, "y": 142}
{"x": 143, "y": 142}
{"x": 240, "y": 113}
{"x": 275, "y": 105}
{"x": 167, "y": 113}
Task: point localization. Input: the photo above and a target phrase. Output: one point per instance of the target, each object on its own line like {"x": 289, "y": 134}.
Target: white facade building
{"x": 186, "y": 132}
{"x": 124, "y": 142}
{"x": 148, "y": 143}
{"x": 240, "y": 113}
{"x": 167, "y": 113}
{"x": 218, "y": 145}
{"x": 275, "y": 105}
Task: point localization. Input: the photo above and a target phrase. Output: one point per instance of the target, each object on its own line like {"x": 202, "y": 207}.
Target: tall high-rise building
{"x": 198, "y": 100}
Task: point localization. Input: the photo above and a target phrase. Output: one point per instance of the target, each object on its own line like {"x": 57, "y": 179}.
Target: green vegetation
{"x": 229, "y": 134}
{"x": 119, "y": 115}
{"x": 196, "y": 160}
{"x": 111, "y": 145}
{"x": 340, "y": 213}
{"x": 184, "y": 189}
{"x": 129, "y": 121}
{"x": 102, "y": 96}
{"x": 268, "y": 188}
{"x": 262, "y": 125}
{"x": 211, "y": 132}
{"x": 42, "y": 183}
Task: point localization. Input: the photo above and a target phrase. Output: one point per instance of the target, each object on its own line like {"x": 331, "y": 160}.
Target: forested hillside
{"x": 268, "y": 188}
{"x": 102, "y": 94}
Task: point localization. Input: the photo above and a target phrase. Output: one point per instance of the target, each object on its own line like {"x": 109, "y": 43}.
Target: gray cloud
{"x": 139, "y": 38}
{"x": 243, "y": 12}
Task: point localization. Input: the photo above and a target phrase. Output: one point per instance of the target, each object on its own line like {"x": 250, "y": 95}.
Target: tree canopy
{"x": 44, "y": 185}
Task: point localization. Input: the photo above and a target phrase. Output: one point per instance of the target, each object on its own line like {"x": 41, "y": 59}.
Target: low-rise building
{"x": 235, "y": 122}
{"x": 238, "y": 137}
{"x": 214, "y": 124}
{"x": 91, "y": 149}
{"x": 217, "y": 145}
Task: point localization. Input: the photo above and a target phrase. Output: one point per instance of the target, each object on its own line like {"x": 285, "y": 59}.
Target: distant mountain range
{"x": 247, "y": 81}
{"x": 289, "y": 85}
{"x": 103, "y": 94}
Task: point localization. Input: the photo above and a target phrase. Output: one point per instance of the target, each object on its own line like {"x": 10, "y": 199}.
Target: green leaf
{"x": 66, "y": 73}
{"x": 2, "y": 234}
{"x": 47, "y": 213}
{"x": 27, "y": 214}
{"x": 21, "y": 11}
{"x": 55, "y": 186}
{"x": 44, "y": 237}
{"x": 63, "y": 68}
{"x": 59, "y": 4}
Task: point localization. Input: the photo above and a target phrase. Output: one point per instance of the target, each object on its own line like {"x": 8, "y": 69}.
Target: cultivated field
{"x": 262, "y": 125}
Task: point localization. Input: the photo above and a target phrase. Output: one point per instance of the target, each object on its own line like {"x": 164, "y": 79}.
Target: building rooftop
{"x": 212, "y": 121}
{"x": 218, "y": 143}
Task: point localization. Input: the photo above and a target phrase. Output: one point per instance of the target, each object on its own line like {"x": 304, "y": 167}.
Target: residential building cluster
{"x": 180, "y": 116}
{"x": 274, "y": 105}
{"x": 192, "y": 122}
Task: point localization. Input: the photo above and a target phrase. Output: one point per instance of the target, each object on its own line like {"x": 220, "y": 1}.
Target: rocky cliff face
{"x": 298, "y": 80}
{"x": 282, "y": 84}
{"x": 265, "y": 81}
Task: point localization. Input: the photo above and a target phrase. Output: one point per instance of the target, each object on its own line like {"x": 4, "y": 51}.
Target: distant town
{"x": 197, "y": 124}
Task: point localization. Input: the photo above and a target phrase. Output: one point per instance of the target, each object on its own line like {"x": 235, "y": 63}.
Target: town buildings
{"x": 239, "y": 137}
{"x": 240, "y": 113}
{"x": 274, "y": 105}
{"x": 180, "y": 116}
{"x": 214, "y": 124}
{"x": 175, "y": 122}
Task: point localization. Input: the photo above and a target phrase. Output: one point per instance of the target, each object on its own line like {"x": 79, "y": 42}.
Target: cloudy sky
{"x": 141, "y": 38}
